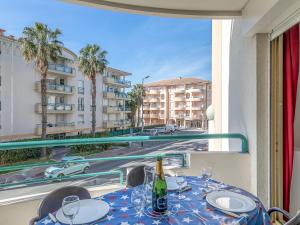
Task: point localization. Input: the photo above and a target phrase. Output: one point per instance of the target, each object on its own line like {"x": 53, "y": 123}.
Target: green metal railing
{"x": 87, "y": 141}
{"x": 78, "y": 176}
{"x": 103, "y": 140}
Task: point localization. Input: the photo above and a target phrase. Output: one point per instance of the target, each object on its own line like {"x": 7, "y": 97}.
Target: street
{"x": 135, "y": 149}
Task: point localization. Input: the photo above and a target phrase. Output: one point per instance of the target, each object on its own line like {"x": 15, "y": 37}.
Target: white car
{"x": 161, "y": 130}
{"x": 171, "y": 127}
{"x": 68, "y": 168}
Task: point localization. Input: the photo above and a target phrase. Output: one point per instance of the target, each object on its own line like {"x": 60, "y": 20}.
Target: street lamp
{"x": 144, "y": 78}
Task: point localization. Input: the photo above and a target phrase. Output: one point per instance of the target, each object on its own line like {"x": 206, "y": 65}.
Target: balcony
{"x": 115, "y": 95}
{"x": 154, "y": 107}
{"x": 180, "y": 107}
{"x": 61, "y": 69}
{"x": 154, "y": 115}
{"x": 56, "y": 128}
{"x": 154, "y": 92}
{"x": 179, "y": 91}
{"x": 154, "y": 100}
{"x": 115, "y": 109}
{"x": 190, "y": 163}
{"x": 56, "y": 88}
{"x": 179, "y": 98}
{"x": 56, "y": 108}
{"x": 146, "y": 116}
{"x": 118, "y": 82}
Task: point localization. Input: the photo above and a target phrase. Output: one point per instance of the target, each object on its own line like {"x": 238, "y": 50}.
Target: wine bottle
{"x": 159, "y": 191}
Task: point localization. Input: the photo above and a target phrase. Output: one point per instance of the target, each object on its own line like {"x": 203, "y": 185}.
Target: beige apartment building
{"x": 69, "y": 96}
{"x": 181, "y": 101}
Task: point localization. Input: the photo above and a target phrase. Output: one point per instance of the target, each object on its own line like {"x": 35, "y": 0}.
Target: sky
{"x": 160, "y": 47}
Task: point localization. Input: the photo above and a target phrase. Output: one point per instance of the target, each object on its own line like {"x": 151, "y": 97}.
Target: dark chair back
{"x": 136, "y": 176}
{"x": 53, "y": 201}
{"x": 295, "y": 220}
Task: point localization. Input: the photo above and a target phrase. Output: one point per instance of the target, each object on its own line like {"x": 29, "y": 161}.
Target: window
{"x": 80, "y": 87}
{"x": 80, "y": 104}
{"x": 80, "y": 119}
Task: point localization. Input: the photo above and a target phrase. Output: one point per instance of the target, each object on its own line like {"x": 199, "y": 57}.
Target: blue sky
{"x": 143, "y": 45}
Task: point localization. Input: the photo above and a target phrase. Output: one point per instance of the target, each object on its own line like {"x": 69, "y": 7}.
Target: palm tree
{"x": 136, "y": 97}
{"x": 92, "y": 62}
{"x": 41, "y": 45}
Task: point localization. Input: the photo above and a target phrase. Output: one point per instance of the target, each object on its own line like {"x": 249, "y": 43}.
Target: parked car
{"x": 68, "y": 168}
{"x": 161, "y": 130}
{"x": 172, "y": 127}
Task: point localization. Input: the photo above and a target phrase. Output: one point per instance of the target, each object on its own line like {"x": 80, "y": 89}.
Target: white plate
{"x": 172, "y": 185}
{"x": 90, "y": 210}
{"x": 230, "y": 201}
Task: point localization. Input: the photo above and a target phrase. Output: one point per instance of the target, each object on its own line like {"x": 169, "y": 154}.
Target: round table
{"x": 193, "y": 209}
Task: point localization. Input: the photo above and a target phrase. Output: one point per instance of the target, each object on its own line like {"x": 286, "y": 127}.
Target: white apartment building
{"x": 181, "y": 101}
{"x": 69, "y": 96}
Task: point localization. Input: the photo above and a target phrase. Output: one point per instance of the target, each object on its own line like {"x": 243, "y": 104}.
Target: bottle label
{"x": 162, "y": 203}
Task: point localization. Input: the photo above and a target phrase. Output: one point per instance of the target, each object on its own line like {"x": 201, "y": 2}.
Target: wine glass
{"x": 206, "y": 175}
{"x": 70, "y": 207}
{"x": 148, "y": 183}
{"x": 138, "y": 200}
{"x": 180, "y": 181}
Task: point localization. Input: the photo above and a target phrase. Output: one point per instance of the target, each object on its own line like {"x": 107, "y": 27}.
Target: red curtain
{"x": 290, "y": 81}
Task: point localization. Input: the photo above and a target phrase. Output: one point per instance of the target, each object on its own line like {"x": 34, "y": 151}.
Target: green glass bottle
{"x": 160, "y": 190}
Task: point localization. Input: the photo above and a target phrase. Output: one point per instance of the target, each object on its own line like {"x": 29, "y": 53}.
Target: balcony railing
{"x": 114, "y": 109}
{"x": 60, "y": 127}
{"x": 90, "y": 141}
{"x": 56, "y": 108}
{"x": 115, "y": 95}
{"x": 57, "y": 88}
{"x": 112, "y": 80}
{"x": 61, "y": 68}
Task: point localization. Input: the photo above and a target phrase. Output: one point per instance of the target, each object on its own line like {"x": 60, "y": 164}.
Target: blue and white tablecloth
{"x": 192, "y": 210}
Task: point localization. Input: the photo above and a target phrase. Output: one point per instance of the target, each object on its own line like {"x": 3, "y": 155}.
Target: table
{"x": 192, "y": 210}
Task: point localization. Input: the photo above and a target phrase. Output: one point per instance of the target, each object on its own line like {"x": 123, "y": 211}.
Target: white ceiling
{"x": 190, "y": 8}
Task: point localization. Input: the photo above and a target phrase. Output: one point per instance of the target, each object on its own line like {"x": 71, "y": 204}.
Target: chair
{"x": 53, "y": 201}
{"x": 136, "y": 176}
{"x": 291, "y": 220}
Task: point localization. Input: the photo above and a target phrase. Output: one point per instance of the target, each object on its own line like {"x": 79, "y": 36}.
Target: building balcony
{"x": 179, "y": 99}
{"x": 154, "y": 115}
{"x": 56, "y": 128}
{"x": 115, "y": 109}
{"x": 56, "y": 108}
{"x": 146, "y": 107}
{"x": 115, "y": 95}
{"x": 56, "y": 88}
{"x": 154, "y": 107}
{"x": 118, "y": 82}
{"x": 61, "y": 69}
{"x": 154, "y": 92}
{"x": 180, "y": 107}
{"x": 146, "y": 116}
{"x": 179, "y": 116}
{"x": 179, "y": 91}
{"x": 153, "y": 100}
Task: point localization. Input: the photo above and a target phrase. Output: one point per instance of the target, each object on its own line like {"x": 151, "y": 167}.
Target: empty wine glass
{"x": 148, "y": 183}
{"x": 206, "y": 175}
{"x": 180, "y": 181}
{"x": 138, "y": 200}
{"x": 70, "y": 207}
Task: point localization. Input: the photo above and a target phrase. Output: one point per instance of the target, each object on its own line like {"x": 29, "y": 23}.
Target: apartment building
{"x": 68, "y": 93}
{"x": 181, "y": 101}
{"x": 115, "y": 111}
